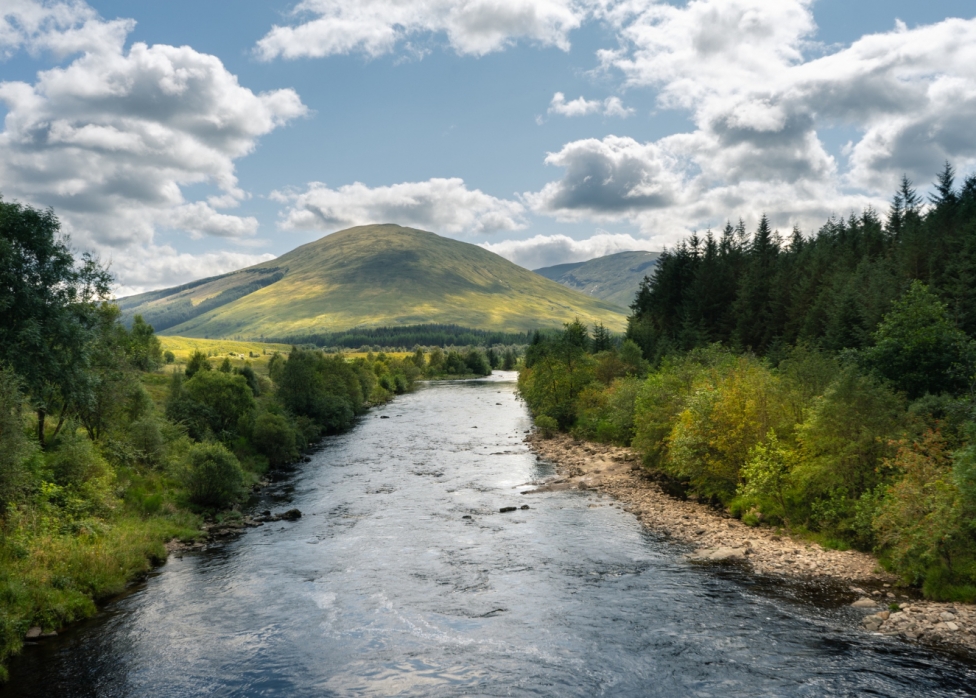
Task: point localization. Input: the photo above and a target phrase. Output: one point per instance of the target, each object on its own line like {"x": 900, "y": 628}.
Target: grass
{"x": 387, "y": 275}
{"x": 52, "y": 573}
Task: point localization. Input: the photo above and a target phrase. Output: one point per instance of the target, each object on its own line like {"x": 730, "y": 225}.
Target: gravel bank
{"x": 717, "y": 538}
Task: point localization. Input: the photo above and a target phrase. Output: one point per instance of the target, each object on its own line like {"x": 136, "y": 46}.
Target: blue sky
{"x": 223, "y": 141}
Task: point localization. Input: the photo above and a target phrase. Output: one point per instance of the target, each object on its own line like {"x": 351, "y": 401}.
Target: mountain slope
{"x": 370, "y": 276}
{"x": 614, "y": 278}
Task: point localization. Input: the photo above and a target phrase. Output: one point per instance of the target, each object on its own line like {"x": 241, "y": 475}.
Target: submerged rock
{"x": 504, "y": 510}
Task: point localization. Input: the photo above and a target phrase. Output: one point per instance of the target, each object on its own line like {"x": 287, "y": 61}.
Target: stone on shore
{"x": 865, "y": 602}
{"x": 720, "y": 554}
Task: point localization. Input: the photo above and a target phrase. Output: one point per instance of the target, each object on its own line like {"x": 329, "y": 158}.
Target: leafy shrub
{"x": 213, "y": 476}
{"x": 75, "y": 461}
{"x": 274, "y": 437}
{"x": 225, "y": 397}
{"x": 546, "y": 425}
{"x": 729, "y": 412}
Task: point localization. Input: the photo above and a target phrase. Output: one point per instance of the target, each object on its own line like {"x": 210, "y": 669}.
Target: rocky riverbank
{"x": 718, "y": 538}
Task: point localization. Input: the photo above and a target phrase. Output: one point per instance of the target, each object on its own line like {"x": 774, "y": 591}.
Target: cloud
{"x": 162, "y": 266}
{"x": 377, "y": 27}
{"x": 111, "y": 139}
{"x": 60, "y": 27}
{"x": 762, "y": 94}
{"x": 611, "y": 106}
{"x": 547, "y": 250}
{"x": 444, "y": 206}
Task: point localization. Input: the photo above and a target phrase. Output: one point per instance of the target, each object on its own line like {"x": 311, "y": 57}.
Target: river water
{"x": 383, "y": 588}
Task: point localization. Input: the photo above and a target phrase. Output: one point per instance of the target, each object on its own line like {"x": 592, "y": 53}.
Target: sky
{"x": 183, "y": 139}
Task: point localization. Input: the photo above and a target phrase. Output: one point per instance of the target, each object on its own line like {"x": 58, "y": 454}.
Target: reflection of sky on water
{"x": 382, "y": 588}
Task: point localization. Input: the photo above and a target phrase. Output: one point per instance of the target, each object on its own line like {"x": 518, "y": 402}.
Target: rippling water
{"x": 383, "y": 588}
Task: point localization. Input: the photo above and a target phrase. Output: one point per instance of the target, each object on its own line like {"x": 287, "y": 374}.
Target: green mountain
{"x": 369, "y": 276}
{"x": 614, "y": 278}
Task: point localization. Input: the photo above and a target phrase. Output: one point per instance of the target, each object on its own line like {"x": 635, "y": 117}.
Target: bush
{"x": 168, "y": 357}
{"x": 274, "y": 438}
{"x": 227, "y": 398}
{"x": 146, "y": 438}
{"x": 546, "y": 425}
{"x": 75, "y": 461}
{"x": 213, "y": 476}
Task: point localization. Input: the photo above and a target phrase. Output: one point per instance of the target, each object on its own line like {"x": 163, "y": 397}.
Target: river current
{"x": 384, "y": 588}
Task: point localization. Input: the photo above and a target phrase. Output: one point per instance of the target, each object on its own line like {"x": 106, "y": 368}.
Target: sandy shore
{"x": 717, "y": 538}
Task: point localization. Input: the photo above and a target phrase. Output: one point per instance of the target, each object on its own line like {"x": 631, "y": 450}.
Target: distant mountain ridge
{"x": 369, "y": 276}
{"x": 614, "y": 278}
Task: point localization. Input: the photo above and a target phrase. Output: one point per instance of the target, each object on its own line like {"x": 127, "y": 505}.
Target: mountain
{"x": 614, "y": 278}
{"x": 369, "y": 276}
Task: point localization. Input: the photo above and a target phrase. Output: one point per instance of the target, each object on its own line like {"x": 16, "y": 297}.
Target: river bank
{"x": 718, "y": 538}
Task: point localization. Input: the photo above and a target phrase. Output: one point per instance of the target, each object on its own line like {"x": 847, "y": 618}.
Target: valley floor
{"x": 717, "y": 538}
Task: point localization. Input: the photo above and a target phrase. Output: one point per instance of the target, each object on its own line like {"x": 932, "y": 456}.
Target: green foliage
{"x": 663, "y": 398}
{"x": 922, "y": 522}
{"x": 144, "y": 348}
{"x": 198, "y": 362}
{"x": 556, "y": 371}
{"x": 730, "y": 410}
{"x": 607, "y": 414}
{"x": 844, "y": 440}
{"x": 766, "y": 478}
{"x": 546, "y": 425}
{"x": 48, "y": 309}
{"x": 275, "y": 438}
{"x": 15, "y": 448}
{"x": 168, "y": 357}
{"x": 323, "y": 388}
{"x": 509, "y": 360}
{"x": 87, "y": 505}
{"x": 218, "y": 400}
{"x": 919, "y": 349}
{"x": 213, "y": 476}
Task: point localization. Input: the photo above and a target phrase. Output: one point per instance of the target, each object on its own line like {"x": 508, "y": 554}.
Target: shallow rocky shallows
{"x": 718, "y": 538}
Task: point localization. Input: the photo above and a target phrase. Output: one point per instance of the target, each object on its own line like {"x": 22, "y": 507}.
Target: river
{"x": 384, "y": 588}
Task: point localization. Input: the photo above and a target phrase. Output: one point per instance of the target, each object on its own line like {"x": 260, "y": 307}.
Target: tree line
{"x": 104, "y": 456}
{"x": 822, "y": 385}
{"x": 408, "y": 336}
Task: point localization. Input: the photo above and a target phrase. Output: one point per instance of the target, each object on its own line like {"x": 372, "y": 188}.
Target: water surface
{"x": 383, "y": 588}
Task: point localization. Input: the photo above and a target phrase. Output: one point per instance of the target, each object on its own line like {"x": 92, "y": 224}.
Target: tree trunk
{"x": 41, "y": 414}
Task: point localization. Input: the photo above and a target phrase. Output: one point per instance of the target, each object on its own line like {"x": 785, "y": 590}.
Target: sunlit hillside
{"x": 370, "y": 276}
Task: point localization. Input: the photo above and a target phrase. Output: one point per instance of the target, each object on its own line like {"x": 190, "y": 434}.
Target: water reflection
{"x": 384, "y": 588}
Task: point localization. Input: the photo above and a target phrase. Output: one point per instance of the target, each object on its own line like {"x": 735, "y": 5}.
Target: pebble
{"x": 617, "y": 472}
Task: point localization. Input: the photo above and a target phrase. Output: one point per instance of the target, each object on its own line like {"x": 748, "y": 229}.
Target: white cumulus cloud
{"x": 376, "y": 27}
{"x": 762, "y": 95}
{"x": 111, "y": 138}
{"x": 444, "y": 206}
{"x": 611, "y": 106}
{"x": 163, "y": 266}
{"x": 546, "y": 250}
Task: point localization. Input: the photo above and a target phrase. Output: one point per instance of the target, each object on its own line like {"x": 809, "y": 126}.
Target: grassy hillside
{"x": 371, "y": 276}
{"x": 614, "y": 278}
